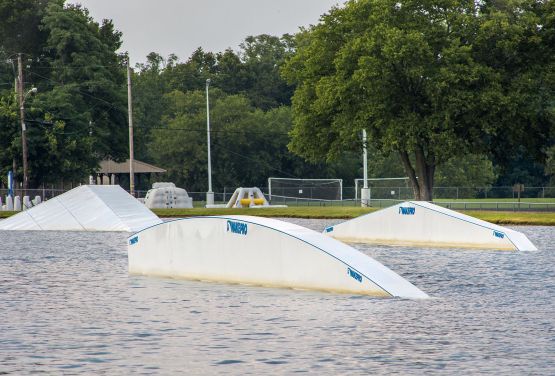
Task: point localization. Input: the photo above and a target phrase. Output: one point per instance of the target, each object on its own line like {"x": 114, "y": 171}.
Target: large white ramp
{"x": 86, "y": 208}
{"x": 420, "y": 223}
{"x": 260, "y": 251}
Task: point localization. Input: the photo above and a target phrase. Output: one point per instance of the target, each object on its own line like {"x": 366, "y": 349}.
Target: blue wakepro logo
{"x": 237, "y": 227}
{"x": 406, "y": 210}
{"x": 498, "y": 234}
{"x": 134, "y": 240}
{"x": 354, "y": 274}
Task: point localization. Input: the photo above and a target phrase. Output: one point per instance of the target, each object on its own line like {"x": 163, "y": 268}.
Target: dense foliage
{"x": 249, "y": 112}
{"x": 428, "y": 80}
{"x": 79, "y": 114}
{"x": 458, "y": 93}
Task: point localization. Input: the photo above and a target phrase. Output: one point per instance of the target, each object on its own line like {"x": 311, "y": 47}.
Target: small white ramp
{"x": 86, "y": 208}
{"x": 420, "y": 223}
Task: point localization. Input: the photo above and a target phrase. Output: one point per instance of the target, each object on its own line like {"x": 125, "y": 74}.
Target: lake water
{"x": 68, "y": 306}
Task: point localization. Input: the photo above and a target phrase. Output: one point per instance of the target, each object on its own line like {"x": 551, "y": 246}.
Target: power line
{"x": 256, "y": 161}
{"x": 215, "y": 131}
{"x": 79, "y": 91}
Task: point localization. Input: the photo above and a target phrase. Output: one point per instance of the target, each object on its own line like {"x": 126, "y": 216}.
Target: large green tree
{"x": 78, "y": 116}
{"x": 429, "y": 80}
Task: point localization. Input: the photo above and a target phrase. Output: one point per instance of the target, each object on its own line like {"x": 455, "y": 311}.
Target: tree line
{"x": 455, "y": 93}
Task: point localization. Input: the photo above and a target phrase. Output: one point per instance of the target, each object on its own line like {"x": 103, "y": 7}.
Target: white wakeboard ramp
{"x": 420, "y": 223}
{"x": 86, "y": 208}
{"x": 260, "y": 251}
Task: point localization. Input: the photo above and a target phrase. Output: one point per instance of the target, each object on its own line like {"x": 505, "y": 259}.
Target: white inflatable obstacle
{"x": 167, "y": 195}
{"x": 247, "y": 197}
{"x": 260, "y": 251}
{"x": 85, "y": 208}
{"x": 420, "y": 223}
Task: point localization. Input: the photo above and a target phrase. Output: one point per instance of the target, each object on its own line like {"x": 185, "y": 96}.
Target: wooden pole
{"x": 130, "y": 112}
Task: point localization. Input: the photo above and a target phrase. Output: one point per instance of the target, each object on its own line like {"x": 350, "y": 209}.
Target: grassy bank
{"x": 346, "y": 212}
{"x": 6, "y": 214}
{"x": 291, "y": 212}
{"x": 515, "y": 218}
{"x": 499, "y": 217}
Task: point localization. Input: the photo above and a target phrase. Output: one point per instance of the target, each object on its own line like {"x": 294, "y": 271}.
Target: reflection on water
{"x": 68, "y": 306}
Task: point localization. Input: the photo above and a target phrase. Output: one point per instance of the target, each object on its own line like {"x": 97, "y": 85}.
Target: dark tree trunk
{"x": 411, "y": 173}
{"x": 421, "y": 177}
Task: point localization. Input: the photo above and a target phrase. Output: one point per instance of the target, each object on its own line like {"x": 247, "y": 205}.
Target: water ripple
{"x": 69, "y": 306}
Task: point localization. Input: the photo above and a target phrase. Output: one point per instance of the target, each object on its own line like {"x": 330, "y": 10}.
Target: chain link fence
{"x": 457, "y": 198}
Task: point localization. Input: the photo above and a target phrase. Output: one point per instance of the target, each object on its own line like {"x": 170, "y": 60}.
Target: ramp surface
{"x": 421, "y": 223}
{"x": 86, "y": 208}
{"x": 260, "y": 251}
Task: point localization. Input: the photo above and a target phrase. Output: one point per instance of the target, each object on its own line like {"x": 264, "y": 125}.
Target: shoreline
{"x": 497, "y": 217}
{"x": 335, "y": 212}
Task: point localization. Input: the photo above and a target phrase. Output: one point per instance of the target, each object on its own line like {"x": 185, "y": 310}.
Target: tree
{"x": 472, "y": 170}
{"x": 79, "y": 115}
{"x": 246, "y": 143}
{"x": 252, "y": 72}
{"x": 262, "y": 57}
{"x": 428, "y": 80}
{"x": 19, "y": 29}
{"x": 550, "y": 166}
{"x": 84, "y": 66}
{"x": 9, "y": 144}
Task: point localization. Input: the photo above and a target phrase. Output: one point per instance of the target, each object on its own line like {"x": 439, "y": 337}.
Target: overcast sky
{"x": 181, "y": 26}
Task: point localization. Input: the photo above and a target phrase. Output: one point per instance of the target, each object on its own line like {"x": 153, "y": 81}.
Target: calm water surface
{"x": 68, "y": 307}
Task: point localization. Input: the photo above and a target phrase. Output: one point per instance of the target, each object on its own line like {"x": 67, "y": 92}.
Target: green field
{"x": 346, "y": 212}
{"x": 505, "y": 200}
{"x": 6, "y": 214}
{"x": 291, "y": 212}
{"x": 502, "y": 217}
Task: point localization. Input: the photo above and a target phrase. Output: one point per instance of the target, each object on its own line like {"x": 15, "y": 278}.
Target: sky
{"x": 181, "y": 26}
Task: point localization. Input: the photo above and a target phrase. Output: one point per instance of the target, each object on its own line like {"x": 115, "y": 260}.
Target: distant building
{"x": 111, "y": 172}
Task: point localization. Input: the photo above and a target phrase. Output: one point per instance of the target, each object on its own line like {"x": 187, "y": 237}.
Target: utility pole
{"x": 365, "y": 192}
{"x": 23, "y": 128}
{"x": 91, "y": 177}
{"x": 130, "y": 112}
{"x": 209, "y": 194}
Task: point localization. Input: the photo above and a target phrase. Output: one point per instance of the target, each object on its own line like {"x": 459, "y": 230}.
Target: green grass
{"x": 6, "y": 214}
{"x": 506, "y": 218}
{"x": 511, "y": 200}
{"x": 515, "y": 218}
{"x": 346, "y": 212}
{"x": 291, "y": 212}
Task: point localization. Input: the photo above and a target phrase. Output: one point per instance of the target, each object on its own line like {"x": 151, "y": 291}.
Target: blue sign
{"x": 10, "y": 183}
{"x": 498, "y": 234}
{"x": 237, "y": 227}
{"x": 134, "y": 240}
{"x": 406, "y": 211}
{"x": 354, "y": 274}
{"x": 329, "y": 229}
